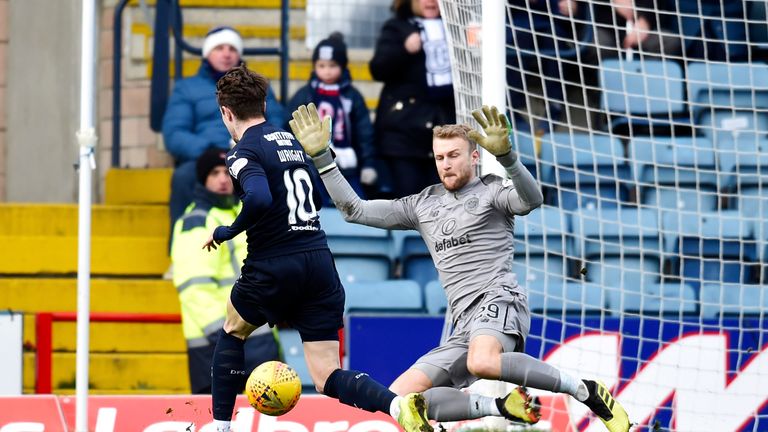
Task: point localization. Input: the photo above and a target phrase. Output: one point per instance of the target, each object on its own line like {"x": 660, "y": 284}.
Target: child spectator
{"x": 330, "y": 88}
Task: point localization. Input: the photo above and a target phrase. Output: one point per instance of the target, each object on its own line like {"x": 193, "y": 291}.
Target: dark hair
{"x": 243, "y": 92}
{"x": 402, "y": 8}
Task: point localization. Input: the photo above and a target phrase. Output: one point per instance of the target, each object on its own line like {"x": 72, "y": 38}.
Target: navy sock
{"x": 359, "y": 390}
{"x": 227, "y": 374}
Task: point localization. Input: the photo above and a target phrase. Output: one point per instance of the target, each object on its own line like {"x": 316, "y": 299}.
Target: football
{"x": 273, "y": 388}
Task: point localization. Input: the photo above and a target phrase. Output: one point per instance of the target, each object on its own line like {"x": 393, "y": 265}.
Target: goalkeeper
{"x": 467, "y": 223}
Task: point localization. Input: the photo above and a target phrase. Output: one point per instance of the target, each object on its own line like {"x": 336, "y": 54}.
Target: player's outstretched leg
{"x": 519, "y": 406}
{"x": 413, "y": 413}
{"x": 606, "y": 407}
{"x": 357, "y": 389}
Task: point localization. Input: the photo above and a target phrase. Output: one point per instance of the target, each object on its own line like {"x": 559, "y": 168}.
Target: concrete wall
{"x": 41, "y": 100}
{"x": 3, "y": 75}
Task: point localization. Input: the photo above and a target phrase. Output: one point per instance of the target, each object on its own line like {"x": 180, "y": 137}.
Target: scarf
{"x": 329, "y": 101}
{"x": 438, "y": 62}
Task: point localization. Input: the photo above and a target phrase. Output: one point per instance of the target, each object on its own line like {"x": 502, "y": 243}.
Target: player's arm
{"x": 526, "y": 194}
{"x": 313, "y": 135}
{"x": 256, "y": 198}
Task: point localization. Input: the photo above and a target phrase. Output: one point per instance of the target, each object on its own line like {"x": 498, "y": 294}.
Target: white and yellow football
{"x": 273, "y": 388}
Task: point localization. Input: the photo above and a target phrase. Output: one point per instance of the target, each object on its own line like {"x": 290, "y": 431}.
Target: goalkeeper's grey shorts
{"x": 501, "y": 314}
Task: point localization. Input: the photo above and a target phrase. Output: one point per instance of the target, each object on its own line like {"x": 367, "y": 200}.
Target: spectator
{"x": 330, "y": 88}
{"x": 714, "y": 30}
{"x": 411, "y": 59}
{"x": 204, "y": 280}
{"x": 539, "y": 27}
{"x": 631, "y": 25}
{"x": 192, "y": 121}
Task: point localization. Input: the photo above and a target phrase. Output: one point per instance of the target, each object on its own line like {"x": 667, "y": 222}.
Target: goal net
{"x": 646, "y": 125}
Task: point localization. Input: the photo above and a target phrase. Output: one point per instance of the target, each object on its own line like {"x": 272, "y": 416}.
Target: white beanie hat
{"x": 222, "y": 36}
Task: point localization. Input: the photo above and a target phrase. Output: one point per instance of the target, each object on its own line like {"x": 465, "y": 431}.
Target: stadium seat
{"x": 435, "y": 299}
{"x": 361, "y": 253}
{"x": 584, "y": 170}
{"x": 735, "y": 300}
{"x": 660, "y": 299}
{"x": 542, "y": 246}
{"x": 729, "y": 129}
{"x": 392, "y": 296}
{"x": 293, "y": 353}
{"x": 415, "y": 259}
{"x": 710, "y": 247}
{"x": 526, "y": 149}
{"x": 714, "y": 86}
{"x": 565, "y": 298}
{"x": 647, "y": 94}
{"x": 621, "y": 247}
{"x": 744, "y": 165}
{"x": 675, "y": 173}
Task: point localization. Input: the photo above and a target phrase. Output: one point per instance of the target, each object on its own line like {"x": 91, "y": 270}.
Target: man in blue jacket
{"x": 192, "y": 122}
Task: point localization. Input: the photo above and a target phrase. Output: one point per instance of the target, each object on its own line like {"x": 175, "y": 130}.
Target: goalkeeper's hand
{"x": 497, "y": 130}
{"x": 313, "y": 134}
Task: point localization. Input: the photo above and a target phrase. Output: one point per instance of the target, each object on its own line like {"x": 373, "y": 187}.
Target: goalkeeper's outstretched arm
{"x": 526, "y": 194}
{"x": 314, "y": 136}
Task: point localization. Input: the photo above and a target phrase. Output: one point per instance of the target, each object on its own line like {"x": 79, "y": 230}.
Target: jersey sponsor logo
{"x": 452, "y": 242}
{"x": 237, "y": 165}
{"x": 449, "y": 227}
{"x": 304, "y": 228}
{"x": 290, "y": 155}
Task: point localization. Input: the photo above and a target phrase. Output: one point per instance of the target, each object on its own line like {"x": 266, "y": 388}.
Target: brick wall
{"x": 140, "y": 146}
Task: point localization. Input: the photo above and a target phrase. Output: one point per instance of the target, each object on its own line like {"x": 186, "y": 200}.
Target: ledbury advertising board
{"x": 181, "y": 414}
{"x": 690, "y": 376}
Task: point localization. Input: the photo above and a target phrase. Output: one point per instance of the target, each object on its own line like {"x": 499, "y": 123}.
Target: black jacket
{"x": 406, "y": 112}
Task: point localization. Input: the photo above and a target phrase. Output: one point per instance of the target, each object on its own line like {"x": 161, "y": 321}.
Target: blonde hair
{"x": 454, "y": 131}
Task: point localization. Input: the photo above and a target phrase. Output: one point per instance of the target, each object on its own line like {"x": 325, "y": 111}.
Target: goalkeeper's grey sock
{"x": 449, "y": 404}
{"x": 222, "y": 425}
{"x": 522, "y": 369}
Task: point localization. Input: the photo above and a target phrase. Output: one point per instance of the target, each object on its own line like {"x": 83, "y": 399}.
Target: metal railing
{"x": 44, "y": 337}
{"x": 175, "y": 23}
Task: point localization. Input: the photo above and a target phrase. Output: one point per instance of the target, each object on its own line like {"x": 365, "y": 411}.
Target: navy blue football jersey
{"x": 291, "y": 223}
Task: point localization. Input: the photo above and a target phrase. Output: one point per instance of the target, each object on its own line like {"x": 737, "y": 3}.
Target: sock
{"x": 573, "y": 386}
{"x": 522, "y": 369}
{"x": 394, "y": 407}
{"x": 222, "y": 425}
{"x": 449, "y": 404}
{"x": 227, "y": 374}
{"x": 358, "y": 390}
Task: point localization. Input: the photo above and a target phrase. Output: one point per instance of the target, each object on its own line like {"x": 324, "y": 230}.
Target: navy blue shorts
{"x": 302, "y": 290}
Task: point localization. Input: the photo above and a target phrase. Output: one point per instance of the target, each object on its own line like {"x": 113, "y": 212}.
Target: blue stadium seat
{"x": 746, "y": 163}
{"x": 526, "y": 149}
{"x": 392, "y": 296}
{"x": 435, "y": 299}
{"x": 584, "y": 170}
{"x": 361, "y": 253}
{"x": 542, "y": 246}
{"x": 293, "y": 352}
{"x": 414, "y": 256}
{"x": 733, "y": 300}
{"x": 565, "y": 298}
{"x": 660, "y": 299}
{"x": 675, "y": 173}
{"x": 714, "y": 86}
{"x": 728, "y": 129}
{"x": 621, "y": 247}
{"x": 710, "y": 247}
{"x": 647, "y": 93}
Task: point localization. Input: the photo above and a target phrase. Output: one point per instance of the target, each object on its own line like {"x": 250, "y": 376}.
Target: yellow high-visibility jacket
{"x": 204, "y": 279}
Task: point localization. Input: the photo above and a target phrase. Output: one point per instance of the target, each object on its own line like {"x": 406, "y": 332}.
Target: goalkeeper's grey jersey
{"x": 469, "y": 233}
